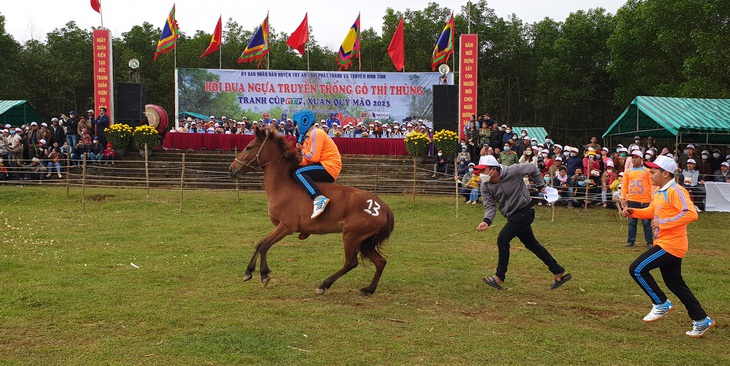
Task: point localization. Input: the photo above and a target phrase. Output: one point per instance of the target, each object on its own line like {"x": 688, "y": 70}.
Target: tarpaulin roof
{"x": 17, "y": 112}
{"x": 538, "y": 133}
{"x": 693, "y": 119}
{"x": 196, "y": 115}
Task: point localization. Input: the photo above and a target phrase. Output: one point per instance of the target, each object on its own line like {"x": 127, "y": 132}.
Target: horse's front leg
{"x": 262, "y": 248}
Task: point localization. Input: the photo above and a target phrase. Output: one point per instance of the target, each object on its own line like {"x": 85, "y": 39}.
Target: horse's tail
{"x": 370, "y": 247}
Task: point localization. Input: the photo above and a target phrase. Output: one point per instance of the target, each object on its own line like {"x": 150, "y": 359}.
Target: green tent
{"x": 538, "y": 133}
{"x": 695, "y": 120}
{"x": 17, "y": 112}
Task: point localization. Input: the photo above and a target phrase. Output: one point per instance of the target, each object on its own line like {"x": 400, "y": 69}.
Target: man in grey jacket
{"x": 503, "y": 187}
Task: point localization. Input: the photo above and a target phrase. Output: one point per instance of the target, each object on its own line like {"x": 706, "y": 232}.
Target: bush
{"x": 145, "y": 134}
{"x": 119, "y": 134}
{"x": 417, "y": 144}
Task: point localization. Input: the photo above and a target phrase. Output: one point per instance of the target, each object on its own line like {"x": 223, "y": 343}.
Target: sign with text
{"x": 352, "y": 96}
{"x": 468, "y": 63}
{"x": 103, "y": 72}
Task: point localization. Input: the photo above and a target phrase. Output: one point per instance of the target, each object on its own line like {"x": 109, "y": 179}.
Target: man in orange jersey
{"x": 671, "y": 210}
{"x": 636, "y": 193}
{"x": 321, "y": 161}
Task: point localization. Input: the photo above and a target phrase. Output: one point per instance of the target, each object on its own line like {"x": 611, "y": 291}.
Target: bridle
{"x": 258, "y": 161}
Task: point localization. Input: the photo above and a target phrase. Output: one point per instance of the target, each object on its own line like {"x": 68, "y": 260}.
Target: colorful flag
{"x": 259, "y": 45}
{"x": 445, "y": 45}
{"x": 396, "y": 50}
{"x": 350, "y": 47}
{"x": 96, "y": 5}
{"x": 168, "y": 38}
{"x": 300, "y": 37}
{"x": 215, "y": 40}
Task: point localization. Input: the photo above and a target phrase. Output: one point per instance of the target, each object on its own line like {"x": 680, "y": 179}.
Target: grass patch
{"x": 71, "y": 296}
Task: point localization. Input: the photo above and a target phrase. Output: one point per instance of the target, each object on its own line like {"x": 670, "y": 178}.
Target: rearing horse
{"x": 364, "y": 220}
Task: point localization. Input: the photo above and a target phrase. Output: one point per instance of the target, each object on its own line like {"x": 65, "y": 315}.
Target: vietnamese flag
{"x": 300, "y": 37}
{"x": 215, "y": 40}
{"x": 396, "y": 50}
{"x": 96, "y": 5}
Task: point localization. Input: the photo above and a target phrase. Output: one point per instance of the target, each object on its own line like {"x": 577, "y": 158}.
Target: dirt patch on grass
{"x": 100, "y": 197}
{"x": 603, "y": 314}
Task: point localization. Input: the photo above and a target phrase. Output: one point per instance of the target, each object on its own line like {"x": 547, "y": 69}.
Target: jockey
{"x": 321, "y": 160}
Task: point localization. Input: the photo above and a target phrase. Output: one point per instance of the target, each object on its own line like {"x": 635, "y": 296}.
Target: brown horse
{"x": 364, "y": 220}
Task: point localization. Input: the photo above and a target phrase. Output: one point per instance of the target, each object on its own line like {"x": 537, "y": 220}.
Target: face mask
{"x": 534, "y": 143}
{"x": 528, "y": 152}
{"x": 506, "y": 148}
{"x": 524, "y": 134}
{"x": 573, "y": 154}
{"x": 567, "y": 153}
{"x": 13, "y": 133}
{"x": 526, "y": 180}
{"x": 546, "y": 179}
{"x": 715, "y": 155}
{"x": 705, "y": 157}
{"x": 547, "y": 140}
{"x": 471, "y": 170}
{"x": 509, "y": 131}
{"x": 582, "y": 183}
{"x": 440, "y": 154}
{"x": 637, "y": 141}
{"x": 609, "y": 170}
{"x": 591, "y": 157}
{"x": 484, "y": 177}
{"x": 647, "y": 157}
{"x": 623, "y": 154}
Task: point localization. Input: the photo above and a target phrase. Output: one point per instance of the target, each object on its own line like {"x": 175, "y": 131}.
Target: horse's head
{"x": 266, "y": 148}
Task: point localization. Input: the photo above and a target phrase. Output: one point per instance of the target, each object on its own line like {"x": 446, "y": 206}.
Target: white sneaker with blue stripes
{"x": 320, "y": 202}
{"x": 700, "y": 327}
{"x": 659, "y": 311}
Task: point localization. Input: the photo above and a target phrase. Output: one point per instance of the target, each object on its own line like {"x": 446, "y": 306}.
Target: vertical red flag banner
{"x": 96, "y": 5}
{"x": 468, "y": 47}
{"x": 396, "y": 49}
{"x": 298, "y": 40}
{"x": 215, "y": 40}
{"x": 103, "y": 75}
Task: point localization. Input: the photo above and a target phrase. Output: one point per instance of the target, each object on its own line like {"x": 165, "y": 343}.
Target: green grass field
{"x": 70, "y": 295}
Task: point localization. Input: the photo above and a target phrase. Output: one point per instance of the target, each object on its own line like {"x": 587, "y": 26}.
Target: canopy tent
{"x": 17, "y": 112}
{"x": 196, "y": 115}
{"x": 538, "y": 133}
{"x": 696, "y": 120}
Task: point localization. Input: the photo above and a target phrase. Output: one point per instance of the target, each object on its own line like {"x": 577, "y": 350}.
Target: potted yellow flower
{"x": 145, "y": 134}
{"x": 417, "y": 144}
{"x": 119, "y": 134}
{"x": 446, "y": 140}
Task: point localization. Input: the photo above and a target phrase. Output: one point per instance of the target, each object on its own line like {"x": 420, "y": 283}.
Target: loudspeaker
{"x": 130, "y": 102}
{"x": 446, "y": 107}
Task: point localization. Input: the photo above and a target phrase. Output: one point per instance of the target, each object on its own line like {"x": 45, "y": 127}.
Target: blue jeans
{"x": 633, "y": 223}
{"x": 474, "y": 194}
{"x": 72, "y": 140}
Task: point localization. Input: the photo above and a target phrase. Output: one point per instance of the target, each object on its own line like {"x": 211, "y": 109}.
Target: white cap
{"x": 558, "y": 159}
{"x": 663, "y": 162}
{"x": 42, "y": 141}
{"x": 690, "y": 146}
{"x": 44, "y": 124}
{"x": 558, "y": 146}
{"x": 34, "y": 123}
{"x": 488, "y": 160}
{"x": 637, "y": 153}
{"x": 725, "y": 163}
{"x": 609, "y": 164}
{"x": 691, "y": 161}
{"x": 224, "y": 117}
{"x": 54, "y": 119}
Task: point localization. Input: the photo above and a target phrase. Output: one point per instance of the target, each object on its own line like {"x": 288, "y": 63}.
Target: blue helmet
{"x": 304, "y": 120}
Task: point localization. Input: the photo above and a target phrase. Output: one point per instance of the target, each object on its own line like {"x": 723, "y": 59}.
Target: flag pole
{"x": 306, "y": 48}
{"x": 268, "y": 54}
{"x": 101, "y": 16}
{"x": 359, "y": 41}
{"x": 220, "y": 46}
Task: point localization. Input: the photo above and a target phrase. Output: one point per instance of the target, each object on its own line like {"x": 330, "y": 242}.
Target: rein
{"x": 259, "y": 166}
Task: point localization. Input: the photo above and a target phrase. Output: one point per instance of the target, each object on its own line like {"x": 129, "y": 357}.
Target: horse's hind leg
{"x": 351, "y": 245}
{"x": 379, "y": 263}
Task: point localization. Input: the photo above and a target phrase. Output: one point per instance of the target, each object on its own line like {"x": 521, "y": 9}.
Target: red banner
{"x": 103, "y": 75}
{"x": 468, "y": 57}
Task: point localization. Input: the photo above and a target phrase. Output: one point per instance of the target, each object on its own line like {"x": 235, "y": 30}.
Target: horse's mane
{"x": 289, "y": 154}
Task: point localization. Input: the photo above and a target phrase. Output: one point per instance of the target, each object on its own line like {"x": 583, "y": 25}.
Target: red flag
{"x": 96, "y": 5}
{"x": 396, "y": 50}
{"x": 215, "y": 40}
{"x": 300, "y": 37}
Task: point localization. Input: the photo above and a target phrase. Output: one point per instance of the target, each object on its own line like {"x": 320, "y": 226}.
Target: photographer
{"x": 71, "y": 123}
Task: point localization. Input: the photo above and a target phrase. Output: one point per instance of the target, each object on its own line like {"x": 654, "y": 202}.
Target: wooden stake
{"x": 83, "y": 183}
{"x": 147, "y": 170}
{"x": 414, "y": 180}
{"x": 68, "y": 170}
{"x": 238, "y": 192}
{"x": 182, "y": 181}
{"x": 377, "y": 175}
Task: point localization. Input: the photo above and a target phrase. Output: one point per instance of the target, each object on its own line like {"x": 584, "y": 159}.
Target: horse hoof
{"x": 265, "y": 281}
{"x": 303, "y": 236}
{"x": 319, "y": 291}
{"x": 366, "y": 292}
{"x": 247, "y": 277}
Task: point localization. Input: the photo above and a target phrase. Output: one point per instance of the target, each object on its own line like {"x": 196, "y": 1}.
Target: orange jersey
{"x": 672, "y": 209}
{"x": 636, "y": 185}
{"x": 319, "y": 148}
